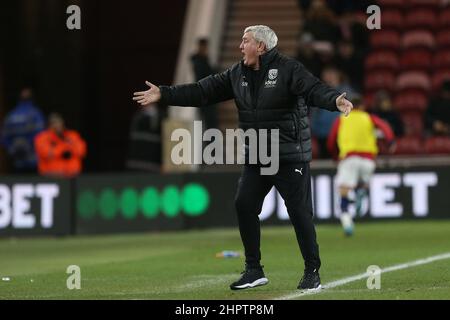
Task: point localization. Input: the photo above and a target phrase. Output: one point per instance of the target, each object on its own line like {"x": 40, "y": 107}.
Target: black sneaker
{"x": 250, "y": 278}
{"x": 310, "y": 281}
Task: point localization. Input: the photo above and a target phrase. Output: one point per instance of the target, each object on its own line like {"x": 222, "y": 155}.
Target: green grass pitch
{"x": 183, "y": 265}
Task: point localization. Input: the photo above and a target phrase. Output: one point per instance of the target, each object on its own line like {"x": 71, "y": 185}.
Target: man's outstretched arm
{"x": 207, "y": 91}
{"x": 317, "y": 93}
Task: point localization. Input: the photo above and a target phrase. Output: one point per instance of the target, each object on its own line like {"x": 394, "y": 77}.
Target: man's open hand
{"x": 152, "y": 95}
{"x": 343, "y": 104}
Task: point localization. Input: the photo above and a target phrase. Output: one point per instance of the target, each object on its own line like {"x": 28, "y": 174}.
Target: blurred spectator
{"x": 322, "y": 120}
{"x": 307, "y": 55}
{"x": 59, "y": 150}
{"x": 437, "y": 116}
{"x": 202, "y": 68}
{"x": 349, "y": 6}
{"x": 200, "y": 60}
{"x": 145, "y": 140}
{"x": 320, "y": 22}
{"x": 383, "y": 108}
{"x": 304, "y": 4}
{"x": 19, "y": 129}
{"x": 351, "y": 62}
{"x": 326, "y": 54}
{"x": 339, "y": 6}
{"x": 355, "y": 139}
{"x": 352, "y": 30}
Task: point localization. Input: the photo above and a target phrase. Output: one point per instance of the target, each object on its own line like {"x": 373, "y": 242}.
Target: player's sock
{"x": 361, "y": 193}
{"x": 344, "y": 204}
{"x": 347, "y": 223}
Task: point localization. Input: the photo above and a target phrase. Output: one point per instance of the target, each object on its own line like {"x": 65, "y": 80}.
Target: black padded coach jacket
{"x": 280, "y": 100}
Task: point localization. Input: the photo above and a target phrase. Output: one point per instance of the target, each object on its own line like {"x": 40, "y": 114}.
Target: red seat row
{"x": 392, "y": 39}
{"x": 414, "y": 145}
{"x": 412, "y": 123}
{"x": 412, "y": 60}
{"x": 423, "y": 18}
{"x": 411, "y": 100}
{"x": 386, "y": 80}
{"x": 406, "y": 4}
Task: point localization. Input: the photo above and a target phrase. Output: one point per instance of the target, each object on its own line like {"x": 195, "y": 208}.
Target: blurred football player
{"x": 356, "y": 138}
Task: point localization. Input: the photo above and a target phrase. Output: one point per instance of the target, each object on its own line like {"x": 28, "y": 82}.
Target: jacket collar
{"x": 267, "y": 57}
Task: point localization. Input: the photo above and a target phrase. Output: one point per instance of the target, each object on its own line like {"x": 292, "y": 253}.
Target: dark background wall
{"x": 89, "y": 75}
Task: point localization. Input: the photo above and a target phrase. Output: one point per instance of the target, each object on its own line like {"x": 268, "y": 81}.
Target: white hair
{"x": 263, "y": 34}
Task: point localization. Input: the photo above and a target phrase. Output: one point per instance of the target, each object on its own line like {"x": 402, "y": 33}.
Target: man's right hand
{"x": 152, "y": 95}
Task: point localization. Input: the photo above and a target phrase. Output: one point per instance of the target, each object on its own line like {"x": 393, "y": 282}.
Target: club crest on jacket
{"x": 272, "y": 79}
{"x": 273, "y": 74}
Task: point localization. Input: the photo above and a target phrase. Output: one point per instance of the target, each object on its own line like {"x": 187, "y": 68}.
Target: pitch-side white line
{"x": 361, "y": 276}
{"x": 201, "y": 281}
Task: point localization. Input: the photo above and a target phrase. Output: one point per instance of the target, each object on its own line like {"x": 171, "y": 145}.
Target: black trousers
{"x": 293, "y": 182}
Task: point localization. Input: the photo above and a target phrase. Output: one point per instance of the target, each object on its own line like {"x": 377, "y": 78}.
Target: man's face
{"x": 57, "y": 124}
{"x": 386, "y": 105}
{"x": 26, "y": 94}
{"x": 346, "y": 50}
{"x": 249, "y": 48}
{"x": 203, "y": 49}
{"x": 331, "y": 77}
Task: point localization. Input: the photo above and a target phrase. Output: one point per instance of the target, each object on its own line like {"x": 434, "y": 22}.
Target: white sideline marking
{"x": 200, "y": 281}
{"x": 361, "y": 276}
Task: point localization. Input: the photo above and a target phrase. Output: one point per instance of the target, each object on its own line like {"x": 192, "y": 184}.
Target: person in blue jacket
{"x": 20, "y": 127}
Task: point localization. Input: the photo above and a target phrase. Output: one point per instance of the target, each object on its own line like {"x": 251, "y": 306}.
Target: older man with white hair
{"x": 271, "y": 91}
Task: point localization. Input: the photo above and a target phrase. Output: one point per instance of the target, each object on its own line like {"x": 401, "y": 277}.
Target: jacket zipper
{"x": 296, "y": 126}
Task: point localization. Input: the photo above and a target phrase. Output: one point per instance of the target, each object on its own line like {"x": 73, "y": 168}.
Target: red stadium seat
{"x": 411, "y": 100}
{"x": 444, "y": 19}
{"x": 392, "y": 19}
{"x": 421, "y": 18}
{"x": 369, "y": 100}
{"x": 413, "y": 80}
{"x": 443, "y": 38}
{"x": 438, "y": 145}
{"x": 413, "y": 123}
{"x": 391, "y": 3}
{"x": 382, "y": 60}
{"x": 385, "y": 39}
{"x": 408, "y": 145}
{"x": 438, "y": 78}
{"x": 389, "y": 39}
{"x": 441, "y": 60}
{"x": 379, "y": 80}
{"x": 432, "y": 4}
{"x": 419, "y": 59}
{"x": 419, "y": 38}
{"x": 382, "y": 147}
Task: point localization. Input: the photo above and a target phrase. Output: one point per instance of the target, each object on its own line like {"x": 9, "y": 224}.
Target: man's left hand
{"x": 343, "y": 104}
